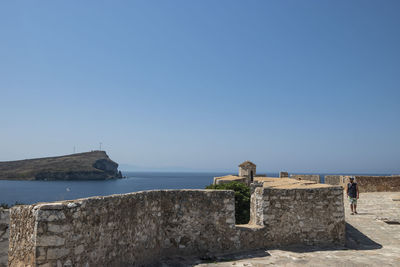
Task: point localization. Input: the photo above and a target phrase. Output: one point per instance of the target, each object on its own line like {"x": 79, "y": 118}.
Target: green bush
{"x": 6, "y": 206}
{"x": 242, "y": 199}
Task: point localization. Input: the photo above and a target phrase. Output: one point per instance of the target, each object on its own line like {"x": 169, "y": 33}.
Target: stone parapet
{"x": 309, "y": 177}
{"x": 4, "y": 233}
{"x": 22, "y": 240}
{"x": 378, "y": 183}
{"x": 122, "y": 230}
{"x": 283, "y": 174}
{"x": 311, "y": 216}
{"x": 333, "y": 179}
{"x": 231, "y": 178}
{"x": 367, "y": 183}
{"x": 142, "y": 228}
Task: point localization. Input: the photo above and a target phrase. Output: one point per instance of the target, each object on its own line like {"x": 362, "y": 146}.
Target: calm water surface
{"x": 29, "y": 192}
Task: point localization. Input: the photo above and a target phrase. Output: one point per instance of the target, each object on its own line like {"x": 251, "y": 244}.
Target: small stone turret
{"x": 247, "y": 169}
{"x": 283, "y": 175}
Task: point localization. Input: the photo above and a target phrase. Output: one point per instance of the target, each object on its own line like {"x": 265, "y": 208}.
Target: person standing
{"x": 353, "y": 194}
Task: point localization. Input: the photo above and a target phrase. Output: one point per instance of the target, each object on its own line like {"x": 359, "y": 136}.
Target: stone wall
{"x": 300, "y": 215}
{"x": 247, "y": 170}
{"x": 144, "y": 227}
{"x": 309, "y": 177}
{"x": 333, "y": 179}
{"x": 283, "y": 174}
{"x": 22, "y": 250}
{"x": 231, "y": 178}
{"x": 4, "y": 233}
{"x": 367, "y": 183}
{"x": 122, "y": 230}
{"x": 378, "y": 183}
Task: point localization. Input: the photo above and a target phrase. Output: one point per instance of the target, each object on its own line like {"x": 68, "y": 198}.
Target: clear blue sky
{"x": 302, "y": 86}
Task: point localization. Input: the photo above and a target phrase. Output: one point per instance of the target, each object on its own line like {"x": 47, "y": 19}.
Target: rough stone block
{"x": 56, "y": 253}
{"x": 79, "y": 249}
{"x": 58, "y": 228}
{"x": 50, "y": 215}
{"x": 49, "y": 241}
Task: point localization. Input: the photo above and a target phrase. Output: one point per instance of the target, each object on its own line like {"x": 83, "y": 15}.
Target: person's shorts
{"x": 353, "y": 200}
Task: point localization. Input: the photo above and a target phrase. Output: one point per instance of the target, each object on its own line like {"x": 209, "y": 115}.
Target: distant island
{"x": 94, "y": 165}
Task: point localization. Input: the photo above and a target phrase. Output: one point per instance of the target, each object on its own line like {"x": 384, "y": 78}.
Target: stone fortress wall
{"x": 367, "y": 183}
{"x": 283, "y": 174}
{"x": 309, "y": 177}
{"x": 231, "y": 178}
{"x": 122, "y": 230}
{"x": 4, "y": 232}
{"x": 309, "y": 214}
{"x": 143, "y": 227}
{"x": 334, "y": 179}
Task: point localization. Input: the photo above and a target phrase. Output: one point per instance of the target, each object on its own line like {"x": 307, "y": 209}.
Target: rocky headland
{"x": 94, "y": 165}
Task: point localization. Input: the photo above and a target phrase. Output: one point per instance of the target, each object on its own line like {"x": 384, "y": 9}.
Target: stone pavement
{"x": 370, "y": 241}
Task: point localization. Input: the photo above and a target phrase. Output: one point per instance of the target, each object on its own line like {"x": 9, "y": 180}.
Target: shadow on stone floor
{"x": 354, "y": 240}
{"x": 357, "y": 240}
{"x": 184, "y": 261}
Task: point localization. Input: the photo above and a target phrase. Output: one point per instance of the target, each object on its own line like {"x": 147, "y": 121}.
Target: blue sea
{"x": 28, "y": 192}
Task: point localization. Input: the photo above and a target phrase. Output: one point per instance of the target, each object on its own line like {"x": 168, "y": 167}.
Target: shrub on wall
{"x": 7, "y": 206}
{"x": 242, "y": 199}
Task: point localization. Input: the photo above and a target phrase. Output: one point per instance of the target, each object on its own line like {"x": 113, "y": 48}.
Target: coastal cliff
{"x": 95, "y": 165}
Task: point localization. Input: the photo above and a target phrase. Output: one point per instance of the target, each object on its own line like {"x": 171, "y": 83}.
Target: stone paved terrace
{"x": 288, "y": 183}
{"x": 370, "y": 241}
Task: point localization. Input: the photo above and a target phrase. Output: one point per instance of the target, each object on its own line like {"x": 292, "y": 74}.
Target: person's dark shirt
{"x": 352, "y": 190}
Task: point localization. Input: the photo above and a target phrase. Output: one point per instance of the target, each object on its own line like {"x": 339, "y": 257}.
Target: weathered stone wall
{"x": 378, "y": 183}
{"x": 122, "y": 230}
{"x": 283, "y": 174}
{"x": 367, "y": 183}
{"x": 231, "y": 178}
{"x": 309, "y": 177}
{"x": 300, "y": 215}
{"x": 246, "y": 171}
{"x": 22, "y": 249}
{"x": 256, "y": 204}
{"x": 4, "y": 233}
{"x": 333, "y": 179}
{"x": 195, "y": 224}
{"x": 144, "y": 227}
